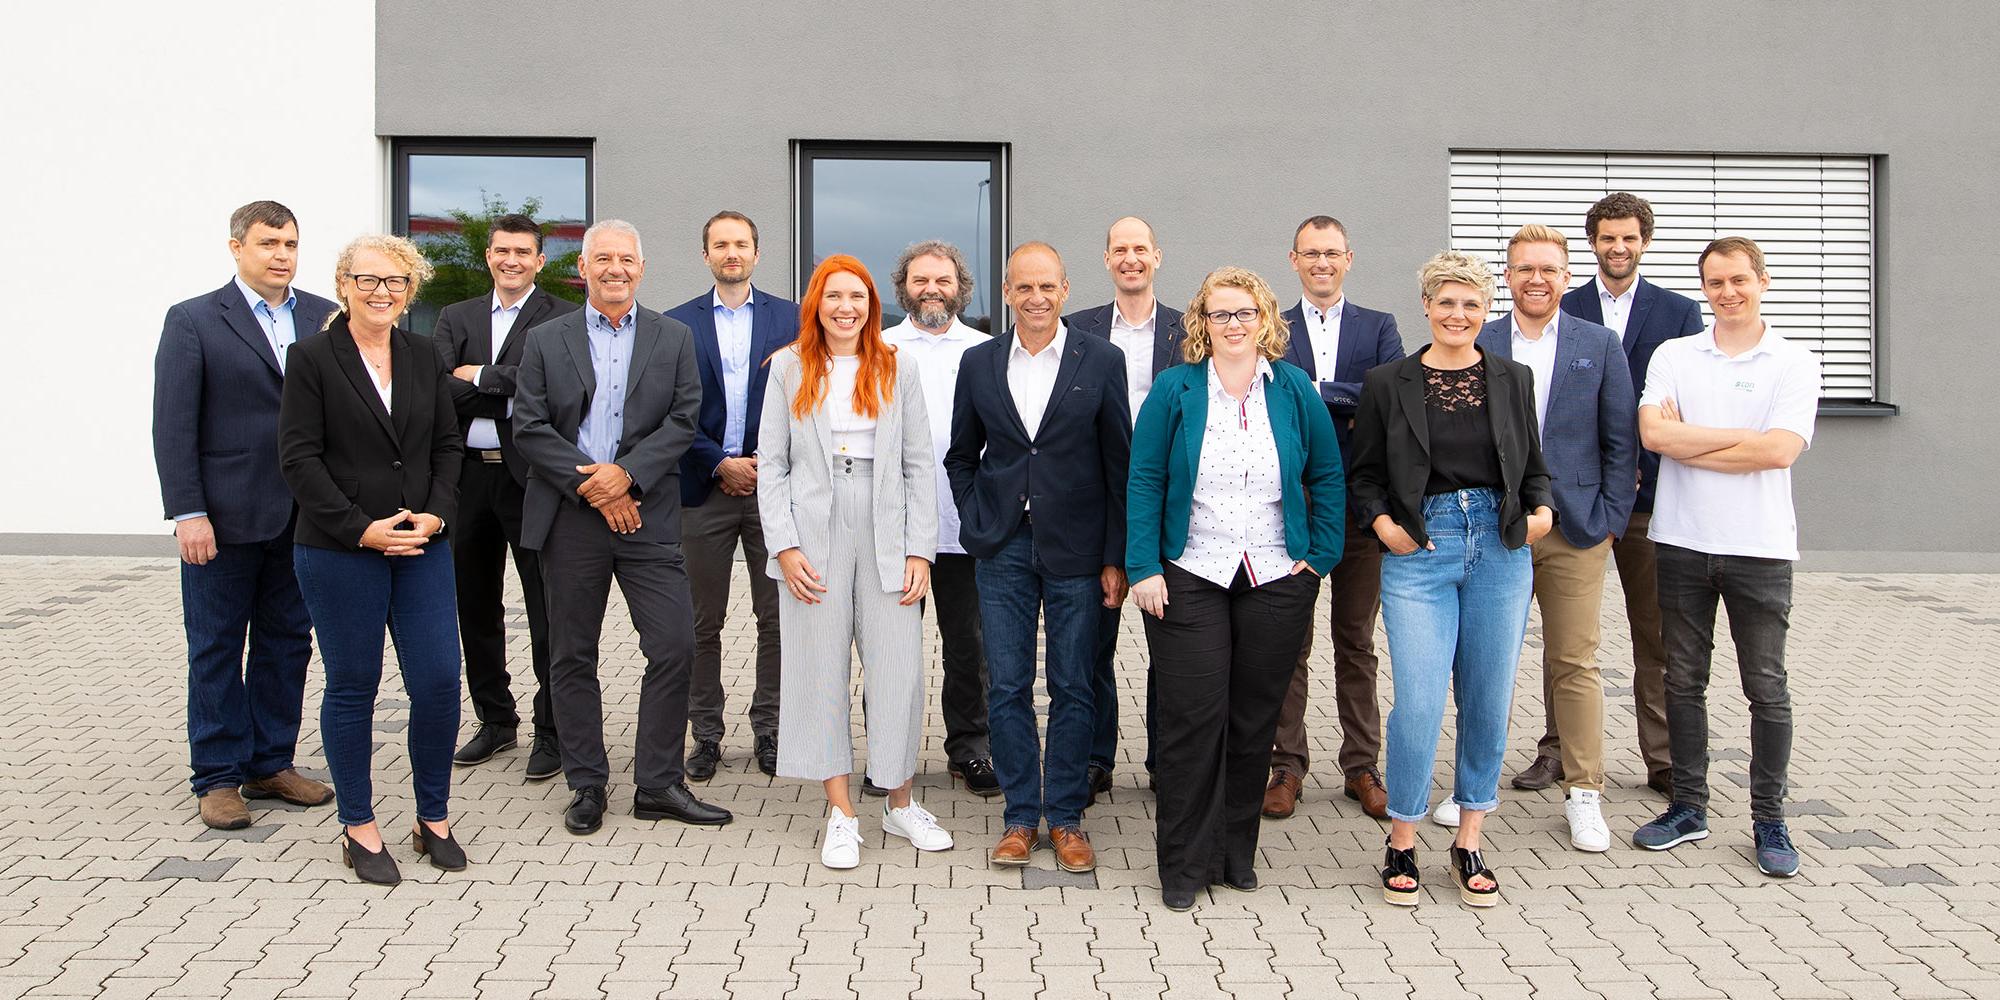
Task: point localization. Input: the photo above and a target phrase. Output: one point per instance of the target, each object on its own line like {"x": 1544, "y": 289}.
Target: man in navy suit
{"x": 1040, "y": 440}
{"x": 1588, "y": 418}
{"x": 1147, "y": 332}
{"x": 217, "y": 379}
{"x": 479, "y": 342}
{"x": 1336, "y": 342}
{"x": 736, "y": 326}
{"x": 1644, "y": 315}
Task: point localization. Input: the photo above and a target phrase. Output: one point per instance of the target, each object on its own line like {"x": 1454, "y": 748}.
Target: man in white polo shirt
{"x": 1729, "y": 410}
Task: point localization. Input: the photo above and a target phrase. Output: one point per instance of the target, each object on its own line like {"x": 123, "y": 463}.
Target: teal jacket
{"x": 1166, "y": 452}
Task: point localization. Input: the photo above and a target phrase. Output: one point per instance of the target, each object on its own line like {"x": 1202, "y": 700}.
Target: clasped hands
{"x": 389, "y": 537}
{"x": 608, "y": 487}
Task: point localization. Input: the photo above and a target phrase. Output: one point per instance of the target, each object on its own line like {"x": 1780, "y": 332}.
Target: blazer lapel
{"x": 1348, "y": 345}
{"x": 1298, "y": 347}
{"x": 577, "y": 340}
{"x": 1499, "y": 404}
{"x": 348, "y": 353}
{"x": 707, "y": 353}
{"x": 822, "y": 419}
{"x": 763, "y": 329}
{"x": 1643, "y": 297}
{"x": 1194, "y": 422}
{"x": 1072, "y": 359}
{"x": 1000, "y": 361}
{"x": 237, "y": 314}
{"x": 1568, "y": 349}
{"x": 646, "y": 336}
{"x": 402, "y": 371}
{"x": 532, "y": 311}
{"x": 1410, "y": 392}
{"x": 888, "y": 443}
{"x": 1164, "y": 340}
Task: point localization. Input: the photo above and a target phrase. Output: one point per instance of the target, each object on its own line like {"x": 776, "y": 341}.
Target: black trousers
{"x": 1222, "y": 659}
{"x": 582, "y": 556}
{"x": 488, "y": 526}
{"x": 955, "y": 593}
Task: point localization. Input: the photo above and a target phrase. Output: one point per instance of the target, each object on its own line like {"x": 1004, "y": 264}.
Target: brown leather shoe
{"x": 1073, "y": 850}
{"x": 1281, "y": 799}
{"x": 1013, "y": 849}
{"x": 1545, "y": 771}
{"x": 291, "y": 786}
{"x": 1365, "y": 787}
{"x": 223, "y": 808}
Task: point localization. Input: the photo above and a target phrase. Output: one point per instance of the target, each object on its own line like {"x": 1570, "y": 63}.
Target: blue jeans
{"x": 1013, "y": 586}
{"x": 1455, "y": 617}
{"x": 243, "y": 714}
{"x": 352, "y": 594}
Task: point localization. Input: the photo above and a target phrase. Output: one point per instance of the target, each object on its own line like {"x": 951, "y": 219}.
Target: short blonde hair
{"x": 1457, "y": 265}
{"x": 1272, "y": 332}
{"x": 402, "y": 251}
{"x": 1535, "y": 232}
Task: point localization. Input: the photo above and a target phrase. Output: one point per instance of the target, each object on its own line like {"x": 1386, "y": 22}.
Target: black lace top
{"x": 1463, "y": 456}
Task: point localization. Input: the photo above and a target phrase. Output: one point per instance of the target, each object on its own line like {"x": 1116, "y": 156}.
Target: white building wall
{"x": 134, "y": 130}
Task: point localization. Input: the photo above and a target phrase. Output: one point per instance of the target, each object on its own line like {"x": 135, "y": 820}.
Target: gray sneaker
{"x": 1678, "y": 825}
{"x": 1775, "y": 853}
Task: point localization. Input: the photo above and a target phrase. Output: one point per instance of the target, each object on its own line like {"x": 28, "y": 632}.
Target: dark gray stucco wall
{"x": 1225, "y": 125}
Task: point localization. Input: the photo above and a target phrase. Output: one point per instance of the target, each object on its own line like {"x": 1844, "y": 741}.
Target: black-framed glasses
{"x": 370, "y": 282}
{"x": 1315, "y": 256}
{"x": 1220, "y": 319}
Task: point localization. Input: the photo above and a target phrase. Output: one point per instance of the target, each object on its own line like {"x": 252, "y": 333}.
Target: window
{"x": 447, "y": 192}
{"x": 1813, "y": 215}
{"x": 873, "y": 199}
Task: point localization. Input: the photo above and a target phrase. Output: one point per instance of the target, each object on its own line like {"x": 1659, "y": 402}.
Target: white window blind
{"x": 1813, "y": 216}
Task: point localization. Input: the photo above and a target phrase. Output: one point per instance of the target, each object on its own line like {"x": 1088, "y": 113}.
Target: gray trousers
{"x": 815, "y": 701}
{"x": 709, "y": 534}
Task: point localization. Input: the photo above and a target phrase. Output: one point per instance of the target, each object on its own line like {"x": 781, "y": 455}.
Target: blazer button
{"x": 1023, "y": 497}
{"x": 397, "y": 466}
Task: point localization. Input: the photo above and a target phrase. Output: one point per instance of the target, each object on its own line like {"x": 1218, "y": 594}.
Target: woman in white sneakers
{"x": 846, "y": 491}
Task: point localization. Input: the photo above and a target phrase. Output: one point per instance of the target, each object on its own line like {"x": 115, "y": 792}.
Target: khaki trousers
{"x": 1569, "y": 589}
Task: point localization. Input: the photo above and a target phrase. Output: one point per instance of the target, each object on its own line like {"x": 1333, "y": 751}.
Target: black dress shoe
{"x": 678, "y": 803}
{"x": 1178, "y": 900}
{"x": 1100, "y": 781}
{"x": 977, "y": 773}
{"x": 767, "y": 755}
{"x": 487, "y": 740}
{"x": 444, "y": 852}
{"x": 701, "y": 763}
{"x": 1243, "y": 881}
{"x": 871, "y": 789}
{"x": 544, "y": 757}
{"x": 586, "y": 811}
{"x": 376, "y": 866}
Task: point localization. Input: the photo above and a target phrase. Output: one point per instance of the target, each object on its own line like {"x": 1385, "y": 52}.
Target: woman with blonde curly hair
{"x": 1235, "y": 504}
{"x": 369, "y": 444}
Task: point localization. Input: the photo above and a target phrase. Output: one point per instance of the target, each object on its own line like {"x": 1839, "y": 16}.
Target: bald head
{"x": 1128, "y": 229}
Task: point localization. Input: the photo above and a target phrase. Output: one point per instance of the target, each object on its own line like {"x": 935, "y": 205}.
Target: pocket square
{"x": 1580, "y": 364}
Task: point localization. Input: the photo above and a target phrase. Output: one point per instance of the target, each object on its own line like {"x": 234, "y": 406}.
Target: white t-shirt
{"x": 853, "y": 433}
{"x": 1772, "y": 386}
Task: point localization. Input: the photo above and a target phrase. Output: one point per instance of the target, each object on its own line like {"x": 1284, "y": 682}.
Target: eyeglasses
{"x": 370, "y": 282}
{"x": 1315, "y": 256}
{"x": 1220, "y": 319}
{"x": 1547, "y": 271}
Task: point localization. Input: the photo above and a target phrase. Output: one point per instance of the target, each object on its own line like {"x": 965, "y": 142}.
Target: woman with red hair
{"x": 847, "y": 496}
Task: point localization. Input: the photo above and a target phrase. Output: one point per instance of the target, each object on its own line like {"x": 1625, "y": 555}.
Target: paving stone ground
{"x": 110, "y": 886}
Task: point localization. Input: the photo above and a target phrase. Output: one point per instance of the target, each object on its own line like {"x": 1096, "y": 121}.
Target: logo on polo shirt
{"x": 1744, "y": 385}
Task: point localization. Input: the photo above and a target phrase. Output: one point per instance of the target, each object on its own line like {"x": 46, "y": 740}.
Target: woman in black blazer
{"x": 1448, "y": 473}
{"x": 369, "y": 444}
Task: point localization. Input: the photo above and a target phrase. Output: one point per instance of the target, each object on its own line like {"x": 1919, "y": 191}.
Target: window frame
{"x": 401, "y": 148}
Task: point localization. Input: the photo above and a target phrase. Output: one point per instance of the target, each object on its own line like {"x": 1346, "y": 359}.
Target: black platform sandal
{"x": 1400, "y": 864}
{"x": 1468, "y": 865}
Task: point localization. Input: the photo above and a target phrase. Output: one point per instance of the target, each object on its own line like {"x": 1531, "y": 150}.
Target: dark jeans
{"x": 1104, "y": 689}
{"x": 1758, "y": 595}
{"x": 955, "y": 595}
{"x": 488, "y": 526}
{"x": 1222, "y": 659}
{"x": 353, "y": 594}
{"x": 1013, "y": 587}
{"x": 243, "y": 714}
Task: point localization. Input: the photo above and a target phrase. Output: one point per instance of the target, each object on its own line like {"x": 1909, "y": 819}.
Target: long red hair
{"x": 875, "y": 384}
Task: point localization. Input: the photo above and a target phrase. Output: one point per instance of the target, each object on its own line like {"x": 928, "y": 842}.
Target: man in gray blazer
{"x": 604, "y": 408}
{"x": 1590, "y": 440}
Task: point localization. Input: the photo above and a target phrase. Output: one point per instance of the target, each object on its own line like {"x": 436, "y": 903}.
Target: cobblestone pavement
{"x": 110, "y": 886}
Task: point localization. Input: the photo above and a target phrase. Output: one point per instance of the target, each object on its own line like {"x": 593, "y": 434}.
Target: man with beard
{"x": 1148, "y": 333}
{"x": 933, "y": 286}
{"x": 735, "y": 328}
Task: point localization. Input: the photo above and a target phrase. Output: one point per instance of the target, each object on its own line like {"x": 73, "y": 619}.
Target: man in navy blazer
{"x": 1147, "y": 333}
{"x": 1040, "y": 441}
{"x": 1336, "y": 342}
{"x": 217, "y": 379}
{"x": 1644, "y": 315}
{"x": 1588, "y": 418}
{"x": 736, "y": 327}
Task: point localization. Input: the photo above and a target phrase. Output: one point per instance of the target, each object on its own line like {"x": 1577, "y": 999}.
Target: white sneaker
{"x": 1587, "y": 831}
{"x": 1446, "y": 813}
{"x": 915, "y": 824}
{"x": 841, "y": 847}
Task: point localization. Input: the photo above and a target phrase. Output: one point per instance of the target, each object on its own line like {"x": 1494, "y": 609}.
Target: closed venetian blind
{"x": 1813, "y": 216}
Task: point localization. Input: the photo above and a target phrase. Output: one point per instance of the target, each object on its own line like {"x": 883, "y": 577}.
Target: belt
{"x": 489, "y": 456}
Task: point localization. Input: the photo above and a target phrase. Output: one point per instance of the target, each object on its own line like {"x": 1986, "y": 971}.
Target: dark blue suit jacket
{"x": 216, "y": 388}
{"x": 774, "y": 323}
{"x": 1074, "y": 467}
{"x": 1368, "y": 338}
{"x": 1658, "y": 315}
{"x": 1590, "y": 438}
{"x": 1167, "y": 331}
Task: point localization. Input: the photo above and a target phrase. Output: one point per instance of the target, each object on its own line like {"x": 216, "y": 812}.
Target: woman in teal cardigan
{"x": 1236, "y": 503}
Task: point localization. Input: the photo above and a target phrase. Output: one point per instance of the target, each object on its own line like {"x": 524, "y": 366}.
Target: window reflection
{"x": 872, "y": 206}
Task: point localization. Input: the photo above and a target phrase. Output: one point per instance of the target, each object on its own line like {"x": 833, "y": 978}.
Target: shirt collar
{"x": 254, "y": 300}
{"x": 597, "y": 320}
{"x": 1313, "y": 312}
{"x": 907, "y": 331}
{"x": 1055, "y": 346}
{"x": 1604, "y": 290}
{"x": 715, "y": 300}
{"x": 1767, "y": 344}
{"x": 1215, "y": 389}
{"x": 495, "y": 305}
{"x": 1118, "y": 318}
{"x": 1514, "y": 321}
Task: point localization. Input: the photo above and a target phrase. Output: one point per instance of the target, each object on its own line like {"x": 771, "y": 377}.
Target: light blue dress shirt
{"x": 611, "y": 359}
{"x": 277, "y": 323}
{"x": 733, "y": 339}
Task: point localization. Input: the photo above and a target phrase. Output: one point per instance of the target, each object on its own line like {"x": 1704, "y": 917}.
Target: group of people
{"x": 327, "y": 470}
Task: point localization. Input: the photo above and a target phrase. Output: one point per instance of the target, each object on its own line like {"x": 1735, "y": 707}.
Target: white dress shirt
{"x": 936, "y": 357}
{"x": 482, "y": 434}
{"x": 1031, "y": 378}
{"x": 1539, "y": 354}
{"x": 1137, "y": 343}
{"x": 1617, "y": 308}
{"x": 1323, "y": 333}
{"x": 853, "y": 433}
{"x": 733, "y": 339}
{"x": 1238, "y": 514}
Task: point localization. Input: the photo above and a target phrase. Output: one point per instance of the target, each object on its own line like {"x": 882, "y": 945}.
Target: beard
{"x": 933, "y": 313}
